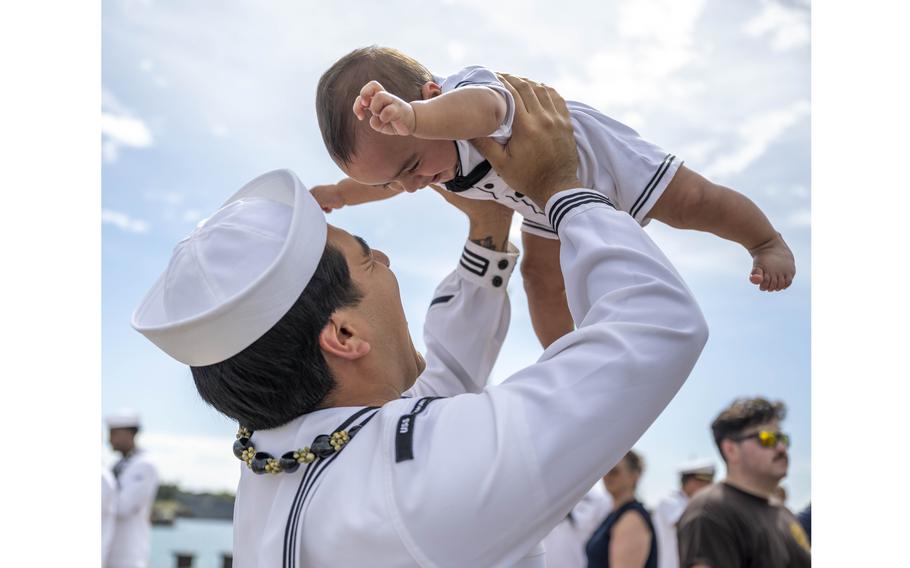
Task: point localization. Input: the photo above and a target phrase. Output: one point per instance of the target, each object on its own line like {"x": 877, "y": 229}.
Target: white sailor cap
{"x": 123, "y": 418}
{"x": 702, "y": 467}
{"x": 237, "y": 274}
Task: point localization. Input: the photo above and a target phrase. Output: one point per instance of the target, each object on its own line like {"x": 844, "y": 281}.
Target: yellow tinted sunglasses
{"x": 768, "y": 439}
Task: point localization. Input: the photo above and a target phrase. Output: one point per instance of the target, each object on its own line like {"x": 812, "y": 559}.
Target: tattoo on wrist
{"x": 487, "y": 243}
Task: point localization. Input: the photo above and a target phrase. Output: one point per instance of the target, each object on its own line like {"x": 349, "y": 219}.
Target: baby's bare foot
{"x": 773, "y": 267}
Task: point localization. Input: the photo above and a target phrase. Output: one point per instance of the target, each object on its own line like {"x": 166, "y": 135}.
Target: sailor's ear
{"x": 341, "y": 337}
{"x": 729, "y": 450}
{"x": 430, "y": 90}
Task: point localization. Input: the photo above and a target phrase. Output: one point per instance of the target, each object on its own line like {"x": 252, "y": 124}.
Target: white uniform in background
{"x": 479, "y": 479}
{"x": 668, "y": 512}
{"x": 665, "y": 517}
{"x": 108, "y": 513}
{"x": 565, "y": 545}
{"x": 137, "y": 481}
{"x": 612, "y": 159}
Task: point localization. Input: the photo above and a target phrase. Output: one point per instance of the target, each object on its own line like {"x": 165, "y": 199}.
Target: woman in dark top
{"x": 626, "y": 537}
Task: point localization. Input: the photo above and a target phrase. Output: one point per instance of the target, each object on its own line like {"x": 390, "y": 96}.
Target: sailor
{"x": 108, "y": 513}
{"x": 693, "y": 475}
{"x": 137, "y": 484}
{"x": 356, "y": 450}
{"x": 565, "y": 545}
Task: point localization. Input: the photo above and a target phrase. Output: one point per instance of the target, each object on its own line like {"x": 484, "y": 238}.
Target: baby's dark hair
{"x": 339, "y": 86}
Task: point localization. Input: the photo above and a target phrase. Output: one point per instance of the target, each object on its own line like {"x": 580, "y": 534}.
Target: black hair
{"x": 744, "y": 413}
{"x": 634, "y": 461}
{"x": 283, "y": 374}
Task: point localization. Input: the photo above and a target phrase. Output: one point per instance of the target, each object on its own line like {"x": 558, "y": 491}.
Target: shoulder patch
{"x": 404, "y": 434}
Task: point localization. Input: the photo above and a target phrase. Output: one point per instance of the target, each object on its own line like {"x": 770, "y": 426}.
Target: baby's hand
{"x": 773, "y": 267}
{"x": 328, "y": 197}
{"x": 390, "y": 114}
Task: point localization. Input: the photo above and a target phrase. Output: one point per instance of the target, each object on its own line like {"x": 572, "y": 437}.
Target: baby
{"x": 409, "y": 128}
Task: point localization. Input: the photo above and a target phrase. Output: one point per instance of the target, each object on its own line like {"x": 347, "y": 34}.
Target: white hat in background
{"x": 702, "y": 467}
{"x": 237, "y": 274}
{"x": 123, "y": 418}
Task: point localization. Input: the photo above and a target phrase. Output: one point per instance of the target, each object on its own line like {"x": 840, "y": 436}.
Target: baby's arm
{"x": 473, "y": 111}
{"x": 545, "y": 288}
{"x": 349, "y": 192}
{"x": 462, "y": 114}
{"x": 692, "y": 202}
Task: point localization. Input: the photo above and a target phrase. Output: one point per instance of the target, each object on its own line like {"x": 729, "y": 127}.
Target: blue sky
{"x": 197, "y": 99}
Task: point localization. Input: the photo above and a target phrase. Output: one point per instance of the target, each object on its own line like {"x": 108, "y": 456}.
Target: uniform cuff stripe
{"x": 566, "y": 203}
{"x": 474, "y": 263}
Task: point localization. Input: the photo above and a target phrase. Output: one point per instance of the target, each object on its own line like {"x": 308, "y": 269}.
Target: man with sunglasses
{"x": 734, "y": 523}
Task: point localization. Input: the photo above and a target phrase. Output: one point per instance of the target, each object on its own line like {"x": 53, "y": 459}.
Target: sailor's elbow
{"x": 699, "y": 331}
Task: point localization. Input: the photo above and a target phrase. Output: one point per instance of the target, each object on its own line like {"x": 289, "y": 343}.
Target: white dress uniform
{"x": 631, "y": 172}
{"x": 137, "y": 480}
{"x": 565, "y": 545}
{"x": 478, "y": 478}
{"x": 665, "y": 517}
{"x": 108, "y": 513}
{"x": 668, "y": 512}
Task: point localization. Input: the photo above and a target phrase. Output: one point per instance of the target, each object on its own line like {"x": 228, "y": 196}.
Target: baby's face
{"x": 402, "y": 162}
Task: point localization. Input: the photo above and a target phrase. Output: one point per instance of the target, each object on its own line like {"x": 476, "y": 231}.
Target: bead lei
{"x": 323, "y": 446}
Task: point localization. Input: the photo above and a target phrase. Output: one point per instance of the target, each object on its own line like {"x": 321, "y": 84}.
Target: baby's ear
{"x": 429, "y": 90}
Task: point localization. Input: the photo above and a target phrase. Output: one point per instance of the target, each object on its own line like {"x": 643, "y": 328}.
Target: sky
{"x": 199, "y": 98}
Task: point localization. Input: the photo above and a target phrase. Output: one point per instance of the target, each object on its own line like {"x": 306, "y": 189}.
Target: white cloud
{"x": 755, "y": 137}
{"x": 787, "y": 26}
{"x": 787, "y": 191}
{"x": 124, "y": 221}
{"x": 192, "y": 215}
{"x": 111, "y": 103}
{"x": 701, "y": 253}
{"x": 126, "y": 130}
{"x": 657, "y": 41}
{"x": 799, "y": 218}
{"x": 697, "y": 152}
{"x": 120, "y": 129}
{"x": 456, "y": 50}
{"x": 171, "y": 198}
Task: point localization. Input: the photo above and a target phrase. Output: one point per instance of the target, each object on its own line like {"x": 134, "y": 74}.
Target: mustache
{"x": 781, "y": 456}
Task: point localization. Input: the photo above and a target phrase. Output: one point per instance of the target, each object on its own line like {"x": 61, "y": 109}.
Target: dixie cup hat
{"x": 123, "y": 418}
{"x": 237, "y": 274}
{"x": 701, "y": 468}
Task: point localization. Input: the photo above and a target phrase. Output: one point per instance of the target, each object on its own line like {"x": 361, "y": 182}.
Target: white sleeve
{"x": 108, "y": 513}
{"x": 466, "y": 323}
{"x": 138, "y": 486}
{"x": 478, "y": 76}
{"x": 493, "y": 473}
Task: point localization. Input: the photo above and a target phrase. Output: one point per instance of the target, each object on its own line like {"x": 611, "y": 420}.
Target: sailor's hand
{"x": 541, "y": 158}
